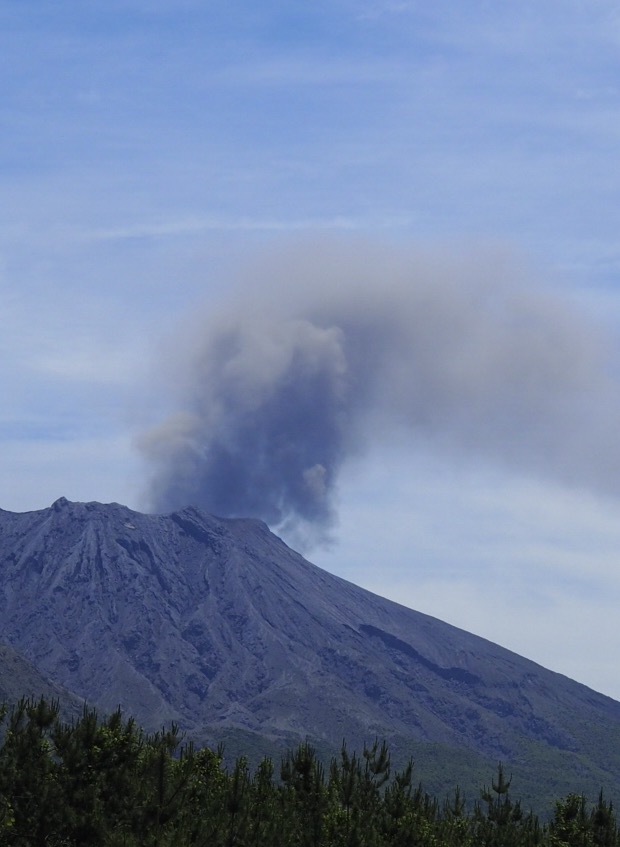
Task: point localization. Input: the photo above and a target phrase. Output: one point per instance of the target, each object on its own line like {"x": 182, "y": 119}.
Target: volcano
{"x": 217, "y": 625}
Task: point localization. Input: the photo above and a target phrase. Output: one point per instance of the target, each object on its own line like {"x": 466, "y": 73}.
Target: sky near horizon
{"x": 159, "y": 160}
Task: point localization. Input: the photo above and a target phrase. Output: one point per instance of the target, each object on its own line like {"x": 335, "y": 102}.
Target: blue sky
{"x": 152, "y": 154}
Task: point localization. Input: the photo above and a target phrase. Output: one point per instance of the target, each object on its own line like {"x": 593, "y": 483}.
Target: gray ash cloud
{"x": 331, "y": 347}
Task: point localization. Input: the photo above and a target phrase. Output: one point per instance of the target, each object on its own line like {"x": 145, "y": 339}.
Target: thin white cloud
{"x": 191, "y": 226}
{"x": 312, "y": 70}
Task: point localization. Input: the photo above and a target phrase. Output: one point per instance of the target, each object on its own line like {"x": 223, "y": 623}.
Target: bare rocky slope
{"x": 218, "y": 625}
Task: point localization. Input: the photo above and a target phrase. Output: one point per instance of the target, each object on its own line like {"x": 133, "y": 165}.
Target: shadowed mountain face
{"x": 19, "y": 678}
{"x": 218, "y": 625}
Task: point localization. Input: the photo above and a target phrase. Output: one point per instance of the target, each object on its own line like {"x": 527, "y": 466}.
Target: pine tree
{"x": 603, "y": 823}
{"x": 498, "y": 824}
{"x": 28, "y": 774}
{"x": 571, "y": 825}
{"x": 303, "y": 776}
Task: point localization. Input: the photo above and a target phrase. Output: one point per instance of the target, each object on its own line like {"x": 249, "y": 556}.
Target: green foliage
{"x": 105, "y": 783}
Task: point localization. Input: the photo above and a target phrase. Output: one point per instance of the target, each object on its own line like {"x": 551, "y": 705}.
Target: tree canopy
{"x": 104, "y": 782}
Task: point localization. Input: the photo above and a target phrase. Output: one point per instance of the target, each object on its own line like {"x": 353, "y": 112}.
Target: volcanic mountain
{"x": 219, "y": 626}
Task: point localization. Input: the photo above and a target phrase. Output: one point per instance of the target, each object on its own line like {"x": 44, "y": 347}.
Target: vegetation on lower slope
{"x": 105, "y": 782}
{"x": 540, "y": 772}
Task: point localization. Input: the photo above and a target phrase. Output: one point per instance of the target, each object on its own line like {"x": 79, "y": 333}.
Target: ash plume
{"x": 334, "y": 346}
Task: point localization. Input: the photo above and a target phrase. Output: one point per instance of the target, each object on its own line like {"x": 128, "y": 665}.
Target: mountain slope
{"x": 218, "y": 625}
{"x": 19, "y": 678}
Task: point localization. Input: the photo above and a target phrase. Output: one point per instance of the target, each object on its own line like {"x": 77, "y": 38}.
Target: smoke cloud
{"x": 332, "y": 347}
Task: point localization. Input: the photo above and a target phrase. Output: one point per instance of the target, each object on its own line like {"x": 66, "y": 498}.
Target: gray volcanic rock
{"x": 217, "y": 623}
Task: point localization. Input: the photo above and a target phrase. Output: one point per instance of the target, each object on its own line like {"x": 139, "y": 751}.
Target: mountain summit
{"x": 218, "y": 625}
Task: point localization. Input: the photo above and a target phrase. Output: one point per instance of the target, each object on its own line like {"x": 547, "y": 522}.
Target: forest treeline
{"x": 106, "y": 782}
